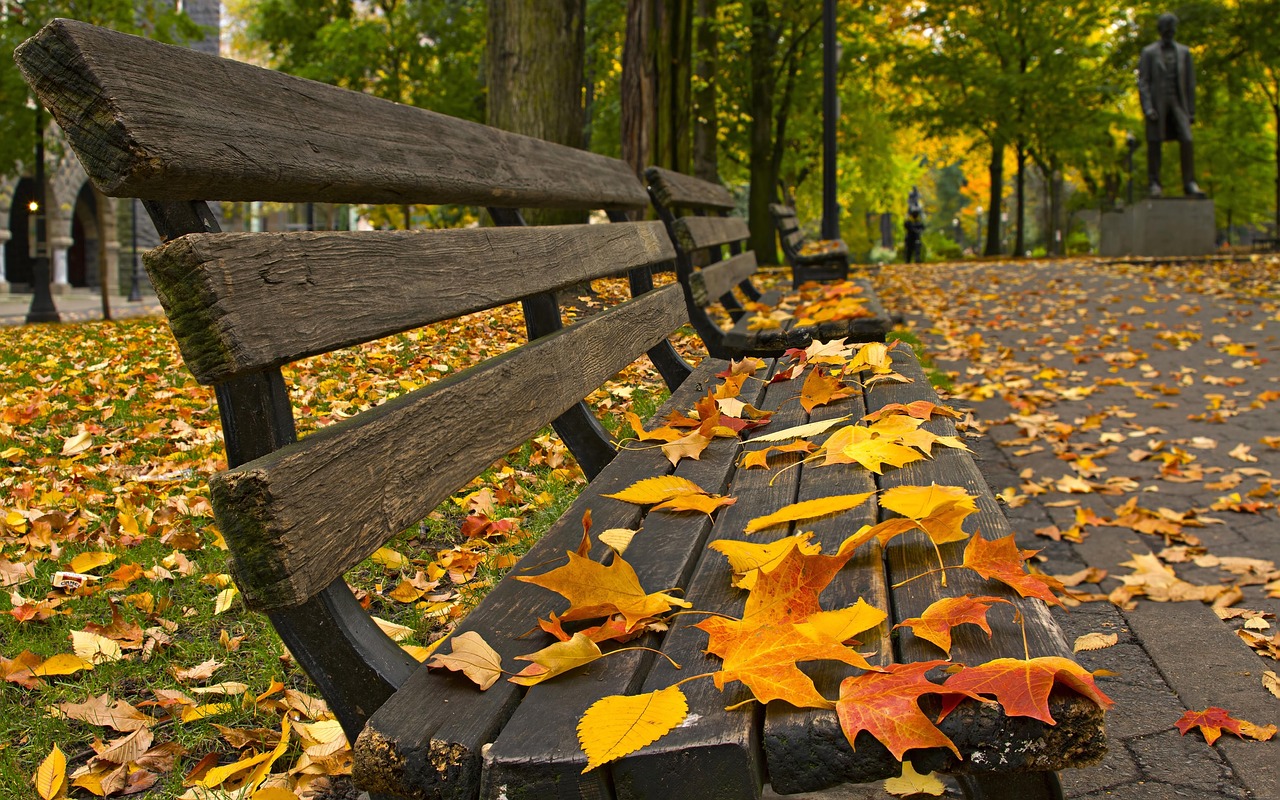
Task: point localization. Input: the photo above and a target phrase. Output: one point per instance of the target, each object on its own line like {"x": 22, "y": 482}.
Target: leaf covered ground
{"x": 129, "y": 661}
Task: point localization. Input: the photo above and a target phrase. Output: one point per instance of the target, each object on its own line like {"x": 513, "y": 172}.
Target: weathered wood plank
{"x": 254, "y": 134}
{"x": 537, "y": 755}
{"x": 695, "y": 233}
{"x": 303, "y": 515}
{"x": 427, "y": 740}
{"x": 723, "y": 748}
{"x": 989, "y": 739}
{"x": 805, "y": 749}
{"x": 717, "y": 280}
{"x": 240, "y": 302}
{"x": 677, "y": 190}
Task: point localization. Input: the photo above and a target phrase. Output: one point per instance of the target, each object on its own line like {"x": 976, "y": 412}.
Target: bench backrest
{"x": 177, "y": 128}
{"x": 789, "y": 232}
{"x": 697, "y": 214}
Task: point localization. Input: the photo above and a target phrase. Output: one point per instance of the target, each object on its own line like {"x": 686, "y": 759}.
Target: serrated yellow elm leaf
{"x": 656, "y": 490}
{"x": 617, "y": 538}
{"x": 809, "y": 509}
{"x": 51, "y": 776}
{"x": 90, "y": 561}
{"x": 620, "y": 724}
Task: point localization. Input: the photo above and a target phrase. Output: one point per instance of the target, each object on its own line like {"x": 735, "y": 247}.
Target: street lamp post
{"x": 830, "y": 119}
{"x": 42, "y": 308}
{"x": 135, "y": 279}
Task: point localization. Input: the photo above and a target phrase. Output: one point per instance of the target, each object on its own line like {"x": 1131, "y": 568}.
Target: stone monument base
{"x": 1169, "y": 226}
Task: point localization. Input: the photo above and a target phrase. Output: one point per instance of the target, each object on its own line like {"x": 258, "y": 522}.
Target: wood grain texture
{"x": 695, "y": 233}
{"x": 805, "y": 749}
{"x": 722, "y": 748}
{"x": 991, "y": 741}
{"x": 239, "y": 302}
{"x": 301, "y": 516}
{"x": 537, "y": 755}
{"x": 426, "y": 741}
{"x": 677, "y": 190}
{"x": 252, "y": 134}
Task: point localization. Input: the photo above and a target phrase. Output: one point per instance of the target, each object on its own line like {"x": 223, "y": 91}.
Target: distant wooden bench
{"x": 810, "y": 260}
{"x": 297, "y": 515}
{"x": 697, "y": 215}
{"x": 1265, "y": 244}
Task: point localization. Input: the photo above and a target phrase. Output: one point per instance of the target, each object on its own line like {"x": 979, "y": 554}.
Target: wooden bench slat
{"x": 126, "y": 105}
{"x": 696, "y": 233}
{"x": 805, "y": 749}
{"x": 426, "y": 741}
{"x": 303, "y": 515}
{"x": 712, "y": 282}
{"x": 677, "y": 189}
{"x": 537, "y": 754}
{"x": 723, "y": 749}
{"x": 240, "y": 302}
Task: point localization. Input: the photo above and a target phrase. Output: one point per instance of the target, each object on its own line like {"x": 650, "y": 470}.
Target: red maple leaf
{"x": 1213, "y": 721}
{"x": 887, "y": 705}
{"x": 1022, "y": 686}
{"x": 1002, "y": 560}
{"x": 935, "y": 624}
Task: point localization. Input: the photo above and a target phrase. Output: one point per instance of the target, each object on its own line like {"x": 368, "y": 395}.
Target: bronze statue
{"x": 1167, "y": 89}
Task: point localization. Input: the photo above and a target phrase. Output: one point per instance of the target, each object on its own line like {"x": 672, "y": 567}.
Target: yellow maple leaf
{"x": 594, "y": 590}
{"x": 937, "y": 510}
{"x": 620, "y": 724}
{"x": 663, "y": 434}
{"x": 705, "y": 503}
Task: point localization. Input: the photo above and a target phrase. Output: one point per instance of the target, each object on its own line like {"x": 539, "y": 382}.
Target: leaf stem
{"x": 694, "y": 678}
{"x": 650, "y": 649}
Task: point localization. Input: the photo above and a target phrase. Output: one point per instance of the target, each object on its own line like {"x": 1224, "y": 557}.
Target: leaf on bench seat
{"x": 1002, "y": 560}
{"x": 594, "y": 590}
{"x": 620, "y": 724}
{"x": 935, "y": 623}
{"x": 473, "y": 657}
{"x": 557, "y": 659}
{"x": 1022, "y": 686}
{"x": 809, "y": 509}
{"x": 887, "y": 705}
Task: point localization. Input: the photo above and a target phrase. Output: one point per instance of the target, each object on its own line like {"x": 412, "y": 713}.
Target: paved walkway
{"x": 78, "y": 306}
{"x": 1100, "y": 384}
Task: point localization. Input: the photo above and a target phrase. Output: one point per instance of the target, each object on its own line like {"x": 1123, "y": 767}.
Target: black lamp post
{"x": 42, "y": 308}
{"x": 830, "y": 119}
{"x": 135, "y": 279}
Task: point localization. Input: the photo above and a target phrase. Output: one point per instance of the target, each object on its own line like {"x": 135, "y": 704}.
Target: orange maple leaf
{"x": 760, "y": 458}
{"x": 887, "y": 705}
{"x": 764, "y": 658}
{"x": 1002, "y": 560}
{"x": 789, "y": 591}
{"x": 856, "y": 444}
{"x": 1022, "y": 686}
{"x": 1213, "y": 721}
{"x": 820, "y": 389}
{"x": 594, "y": 590}
{"x": 920, "y": 409}
{"x": 935, "y": 623}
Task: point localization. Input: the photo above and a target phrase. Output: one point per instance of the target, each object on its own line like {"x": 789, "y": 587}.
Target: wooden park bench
{"x": 176, "y": 128}
{"x": 810, "y": 260}
{"x": 697, "y": 214}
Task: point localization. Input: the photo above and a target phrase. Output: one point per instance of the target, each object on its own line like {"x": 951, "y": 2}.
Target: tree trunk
{"x": 535, "y": 74}
{"x": 763, "y": 174}
{"x": 996, "y": 171}
{"x": 673, "y": 38}
{"x": 1275, "y": 109}
{"x": 706, "y": 121}
{"x": 1020, "y": 240}
{"x": 637, "y": 86}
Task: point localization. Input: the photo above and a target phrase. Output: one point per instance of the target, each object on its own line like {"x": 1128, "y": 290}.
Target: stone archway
{"x": 83, "y": 262}
{"x": 17, "y": 234}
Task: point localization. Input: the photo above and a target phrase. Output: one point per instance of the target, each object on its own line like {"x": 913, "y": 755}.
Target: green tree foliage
{"x": 20, "y": 20}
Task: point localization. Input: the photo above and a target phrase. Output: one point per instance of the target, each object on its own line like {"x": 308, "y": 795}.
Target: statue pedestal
{"x": 1170, "y": 226}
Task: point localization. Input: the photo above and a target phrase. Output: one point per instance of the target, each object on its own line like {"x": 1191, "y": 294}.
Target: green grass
{"x": 937, "y": 378}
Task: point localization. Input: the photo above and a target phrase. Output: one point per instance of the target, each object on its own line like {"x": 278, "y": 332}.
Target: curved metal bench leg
{"x": 1011, "y": 786}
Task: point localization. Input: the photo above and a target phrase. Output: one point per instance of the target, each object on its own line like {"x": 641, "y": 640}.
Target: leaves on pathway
{"x": 1213, "y": 721}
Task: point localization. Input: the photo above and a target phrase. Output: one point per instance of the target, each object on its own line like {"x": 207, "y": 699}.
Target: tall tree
{"x": 706, "y": 121}
{"x": 535, "y": 73}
